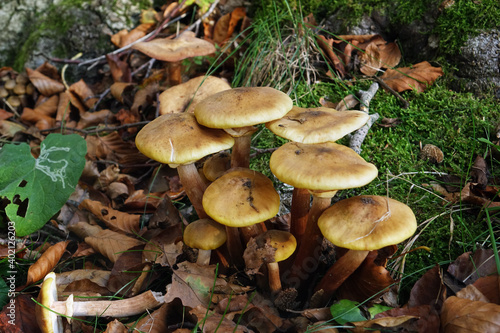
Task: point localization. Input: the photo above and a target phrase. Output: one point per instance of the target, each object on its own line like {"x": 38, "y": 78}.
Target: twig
{"x": 356, "y": 139}
{"x": 404, "y": 102}
{"x": 258, "y": 151}
{"x": 97, "y": 130}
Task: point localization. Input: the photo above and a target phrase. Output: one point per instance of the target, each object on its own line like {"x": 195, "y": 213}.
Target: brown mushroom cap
{"x": 367, "y": 222}
{"x": 321, "y": 167}
{"x": 216, "y": 165}
{"x": 240, "y": 107}
{"x": 184, "y": 46}
{"x": 204, "y": 234}
{"x": 178, "y": 139}
{"x": 314, "y": 125}
{"x": 47, "y": 320}
{"x": 241, "y": 198}
{"x": 283, "y": 241}
{"x": 184, "y": 97}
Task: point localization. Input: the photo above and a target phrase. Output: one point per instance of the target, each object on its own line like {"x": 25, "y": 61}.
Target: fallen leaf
{"x": 463, "y": 315}
{"x": 417, "y": 77}
{"x": 429, "y": 289}
{"x": 428, "y": 321}
{"x": 17, "y": 315}
{"x": 46, "y": 263}
{"x": 400, "y": 322}
{"x": 111, "y": 244}
{"x": 44, "y": 84}
{"x": 114, "y": 219}
{"x": 469, "y": 267}
{"x": 489, "y": 286}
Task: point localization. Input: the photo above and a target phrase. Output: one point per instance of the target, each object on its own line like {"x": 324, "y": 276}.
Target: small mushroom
{"x": 238, "y": 110}
{"x": 284, "y": 243}
{"x": 361, "y": 224}
{"x": 205, "y": 235}
{"x": 48, "y": 319}
{"x": 186, "y": 45}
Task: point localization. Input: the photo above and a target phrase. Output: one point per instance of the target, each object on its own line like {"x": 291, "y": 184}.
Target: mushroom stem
{"x": 121, "y": 308}
{"x": 174, "y": 73}
{"x": 306, "y": 260}
{"x": 204, "y": 257}
{"x": 240, "y": 155}
{"x": 252, "y": 231}
{"x": 234, "y": 246}
{"x": 194, "y": 186}
{"x": 298, "y": 212}
{"x": 273, "y": 272}
{"x": 338, "y": 273}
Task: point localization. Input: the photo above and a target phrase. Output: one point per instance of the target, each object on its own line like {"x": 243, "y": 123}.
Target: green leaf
{"x": 38, "y": 188}
{"x": 346, "y": 311}
{"x": 376, "y": 309}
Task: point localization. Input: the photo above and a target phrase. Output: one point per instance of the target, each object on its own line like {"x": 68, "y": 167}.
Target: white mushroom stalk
{"x": 48, "y": 313}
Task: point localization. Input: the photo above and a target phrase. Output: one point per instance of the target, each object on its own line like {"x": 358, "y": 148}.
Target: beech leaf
{"x": 463, "y": 315}
{"x": 417, "y": 77}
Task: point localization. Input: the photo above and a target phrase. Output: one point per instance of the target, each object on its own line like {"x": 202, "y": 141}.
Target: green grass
{"x": 451, "y": 120}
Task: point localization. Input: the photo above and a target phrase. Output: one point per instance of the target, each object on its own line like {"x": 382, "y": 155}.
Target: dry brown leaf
{"x": 23, "y": 307}
{"x": 31, "y": 116}
{"x": 44, "y": 84}
{"x": 225, "y": 26}
{"x": 327, "y": 46}
{"x": 97, "y": 276}
{"x": 371, "y": 60}
{"x": 120, "y": 70}
{"x": 111, "y": 244}
{"x": 88, "y": 119}
{"x": 145, "y": 97}
{"x": 5, "y": 114}
{"x": 84, "y": 93}
{"x": 126, "y": 272}
{"x": 165, "y": 247}
{"x": 83, "y": 229}
{"x": 156, "y": 322}
{"x": 429, "y": 289}
{"x": 83, "y": 286}
{"x": 123, "y": 37}
{"x": 428, "y": 321}
{"x": 213, "y": 322}
{"x": 415, "y": 78}
{"x": 116, "y": 326}
{"x": 462, "y": 315}
{"x": 113, "y": 148}
{"x": 469, "y": 267}
{"x": 122, "y": 91}
{"x": 47, "y": 106}
{"x": 9, "y": 128}
{"x": 114, "y": 219}
{"x": 46, "y": 263}
{"x": 63, "y": 107}
{"x": 490, "y": 286}
{"x": 400, "y": 322}
{"x": 472, "y": 293}
{"x": 184, "y": 97}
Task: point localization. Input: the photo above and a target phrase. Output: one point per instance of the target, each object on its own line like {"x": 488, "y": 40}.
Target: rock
{"x": 33, "y": 30}
{"x": 479, "y": 62}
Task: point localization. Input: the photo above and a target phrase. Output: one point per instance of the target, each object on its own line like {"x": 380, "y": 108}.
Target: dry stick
{"x": 356, "y": 139}
{"x": 97, "y": 130}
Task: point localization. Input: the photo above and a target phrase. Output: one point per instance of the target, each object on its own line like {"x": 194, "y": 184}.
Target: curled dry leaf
{"x": 83, "y": 229}
{"x": 47, "y": 106}
{"x": 429, "y": 289}
{"x": 225, "y": 26}
{"x": 114, "y": 219}
{"x": 44, "y": 84}
{"x": 120, "y": 69}
{"x": 111, "y": 244}
{"x": 122, "y": 91}
{"x": 88, "y": 119}
{"x": 156, "y": 322}
{"x": 415, "y": 78}
{"x": 84, "y": 93}
{"x": 401, "y": 323}
{"x": 63, "y": 107}
{"x": 490, "y": 286}
{"x": 472, "y": 293}
{"x": 469, "y": 267}
{"x": 46, "y": 263}
{"x": 428, "y": 317}
{"x": 31, "y": 116}
{"x": 462, "y": 315}
{"x": 123, "y": 37}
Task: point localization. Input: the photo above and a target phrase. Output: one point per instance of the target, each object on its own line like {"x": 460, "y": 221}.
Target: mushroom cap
{"x": 204, "y": 234}
{"x": 184, "y": 97}
{"x": 315, "y": 125}
{"x": 47, "y": 320}
{"x": 321, "y": 167}
{"x": 241, "y": 107}
{"x": 283, "y": 241}
{"x": 184, "y": 46}
{"x": 367, "y": 222}
{"x": 216, "y": 165}
{"x": 177, "y": 138}
{"x": 240, "y": 198}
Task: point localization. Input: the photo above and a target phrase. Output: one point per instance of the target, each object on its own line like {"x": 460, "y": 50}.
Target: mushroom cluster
{"x": 235, "y": 203}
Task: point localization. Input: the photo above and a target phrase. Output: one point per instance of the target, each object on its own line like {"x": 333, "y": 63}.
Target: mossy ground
{"x": 450, "y": 120}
